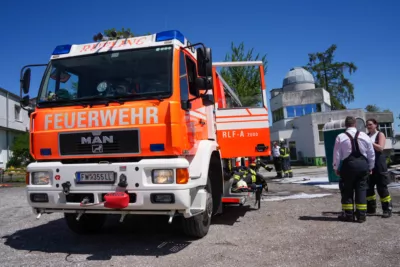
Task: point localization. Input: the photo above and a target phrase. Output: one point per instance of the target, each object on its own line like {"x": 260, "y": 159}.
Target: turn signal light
{"x": 27, "y": 178}
{"x": 182, "y": 176}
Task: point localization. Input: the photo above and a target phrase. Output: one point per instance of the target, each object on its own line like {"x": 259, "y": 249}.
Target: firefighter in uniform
{"x": 259, "y": 163}
{"x": 284, "y": 154}
{"x": 277, "y": 159}
{"x": 354, "y": 153}
{"x": 249, "y": 176}
{"x": 256, "y": 177}
{"x": 379, "y": 173}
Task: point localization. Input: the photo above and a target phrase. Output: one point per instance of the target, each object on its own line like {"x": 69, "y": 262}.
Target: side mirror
{"x": 203, "y": 83}
{"x": 25, "y": 101}
{"x": 204, "y": 62}
{"x": 26, "y": 81}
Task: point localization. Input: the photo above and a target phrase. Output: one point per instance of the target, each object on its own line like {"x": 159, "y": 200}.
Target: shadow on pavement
{"x": 318, "y": 218}
{"x": 137, "y": 235}
{"x": 144, "y": 236}
{"x": 231, "y": 214}
{"x": 331, "y": 213}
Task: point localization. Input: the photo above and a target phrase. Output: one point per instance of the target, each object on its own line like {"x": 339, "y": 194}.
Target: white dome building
{"x": 298, "y": 79}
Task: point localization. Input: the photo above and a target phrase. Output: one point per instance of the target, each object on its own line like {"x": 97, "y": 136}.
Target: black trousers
{"x": 381, "y": 181}
{"x": 354, "y": 183}
{"x": 287, "y": 169}
{"x": 278, "y": 166}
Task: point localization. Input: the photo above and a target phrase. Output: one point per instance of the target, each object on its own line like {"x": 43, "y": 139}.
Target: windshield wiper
{"x": 63, "y": 102}
{"x": 103, "y": 100}
{"x": 150, "y": 97}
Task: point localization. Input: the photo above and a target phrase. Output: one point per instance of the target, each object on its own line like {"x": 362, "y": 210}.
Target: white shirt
{"x": 373, "y": 137}
{"x": 275, "y": 151}
{"x": 343, "y": 147}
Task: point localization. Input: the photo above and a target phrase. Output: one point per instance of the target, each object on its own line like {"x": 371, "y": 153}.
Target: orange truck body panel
{"x": 241, "y": 129}
{"x": 158, "y": 122}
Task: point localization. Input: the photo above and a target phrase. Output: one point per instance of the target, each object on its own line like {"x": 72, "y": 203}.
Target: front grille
{"x": 99, "y": 142}
{"x": 78, "y": 197}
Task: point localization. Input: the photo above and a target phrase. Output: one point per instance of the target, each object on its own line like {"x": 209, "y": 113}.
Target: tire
{"x": 198, "y": 226}
{"x": 87, "y": 224}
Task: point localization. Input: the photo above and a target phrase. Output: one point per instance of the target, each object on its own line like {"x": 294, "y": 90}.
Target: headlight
{"x": 40, "y": 178}
{"x": 163, "y": 176}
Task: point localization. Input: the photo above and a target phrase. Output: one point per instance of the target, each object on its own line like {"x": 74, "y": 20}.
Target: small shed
{"x": 331, "y": 130}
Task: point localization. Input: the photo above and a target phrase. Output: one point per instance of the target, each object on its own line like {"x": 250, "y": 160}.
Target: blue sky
{"x": 366, "y": 32}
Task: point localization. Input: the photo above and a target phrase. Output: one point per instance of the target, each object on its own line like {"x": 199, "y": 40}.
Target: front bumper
{"x": 188, "y": 199}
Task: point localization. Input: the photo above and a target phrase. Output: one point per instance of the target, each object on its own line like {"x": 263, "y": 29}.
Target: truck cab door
{"x": 242, "y": 125}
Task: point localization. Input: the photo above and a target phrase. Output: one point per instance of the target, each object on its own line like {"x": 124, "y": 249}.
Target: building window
{"x": 277, "y": 115}
{"x": 386, "y": 128}
{"x": 290, "y": 112}
{"x": 321, "y": 132}
{"x": 301, "y": 110}
{"x": 17, "y": 112}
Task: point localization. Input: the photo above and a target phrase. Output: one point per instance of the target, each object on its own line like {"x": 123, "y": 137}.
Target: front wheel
{"x": 87, "y": 224}
{"x": 198, "y": 226}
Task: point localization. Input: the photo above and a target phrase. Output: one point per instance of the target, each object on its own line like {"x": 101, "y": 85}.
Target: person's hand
{"x": 337, "y": 172}
{"x": 370, "y": 171}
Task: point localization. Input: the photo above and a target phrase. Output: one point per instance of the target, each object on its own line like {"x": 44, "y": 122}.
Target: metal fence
{"x": 9, "y": 177}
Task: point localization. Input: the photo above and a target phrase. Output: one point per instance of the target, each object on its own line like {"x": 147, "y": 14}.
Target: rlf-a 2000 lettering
{"x": 159, "y": 143}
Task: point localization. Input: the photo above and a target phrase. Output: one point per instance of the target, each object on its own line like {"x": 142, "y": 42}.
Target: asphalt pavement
{"x": 289, "y": 232}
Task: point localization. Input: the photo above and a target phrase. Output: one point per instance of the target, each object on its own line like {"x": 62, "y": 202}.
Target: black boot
{"x": 290, "y": 174}
{"x": 286, "y": 175}
{"x": 269, "y": 169}
{"x": 387, "y": 209}
{"x": 371, "y": 207}
{"x": 361, "y": 216}
{"x": 346, "y": 216}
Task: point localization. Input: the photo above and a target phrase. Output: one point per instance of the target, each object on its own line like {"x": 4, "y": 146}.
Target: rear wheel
{"x": 87, "y": 224}
{"x": 198, "y": 226}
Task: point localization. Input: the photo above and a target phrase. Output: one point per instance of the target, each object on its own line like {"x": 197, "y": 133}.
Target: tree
{"x": 372, "y": 108}
{"x": 375, "y": 108}
{"x": 20, "y": 151}
{"x": 330, "y": 75}
{"x": 245, "y": 80}
{"x": 121, "y": 32}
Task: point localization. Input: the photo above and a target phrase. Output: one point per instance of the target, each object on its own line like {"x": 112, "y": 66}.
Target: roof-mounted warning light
{"x": 62, "y": 49}
{"x": 170, "y": 35}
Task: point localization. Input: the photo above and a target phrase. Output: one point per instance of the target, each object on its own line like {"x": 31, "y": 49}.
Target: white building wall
{"x": 276, "y": 102}
{"x": 13, "y": 119}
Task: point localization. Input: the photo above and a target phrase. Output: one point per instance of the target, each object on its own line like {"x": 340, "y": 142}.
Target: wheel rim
{"x": 209, "y": 208}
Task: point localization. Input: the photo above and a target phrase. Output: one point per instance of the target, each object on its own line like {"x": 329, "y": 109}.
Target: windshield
{"x": 116, "y": 75}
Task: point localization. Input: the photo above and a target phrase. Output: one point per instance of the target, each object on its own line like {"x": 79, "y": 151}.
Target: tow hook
{"x": 171, "y": 217}
{"x": 122, "y": 217}
{"x": 79, "y": 215}
{"x": 66, "y": 187}
{"x": 39, "y": 212}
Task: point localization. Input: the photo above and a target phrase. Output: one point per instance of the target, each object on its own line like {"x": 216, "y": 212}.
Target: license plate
{"x": 95, "y": 177}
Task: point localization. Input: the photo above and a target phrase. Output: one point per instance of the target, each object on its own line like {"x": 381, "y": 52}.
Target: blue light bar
{"x": 157, "y": 147}
{"x": 62, "y": 49}
{"x": 170, "y": 35}
{"x": 45, "y": 151}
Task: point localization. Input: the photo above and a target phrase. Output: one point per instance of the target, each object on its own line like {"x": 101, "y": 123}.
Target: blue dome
{"x": 298, "y": 75}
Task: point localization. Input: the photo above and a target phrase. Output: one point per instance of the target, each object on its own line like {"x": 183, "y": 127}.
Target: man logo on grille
{"x": 97, "y": 148}
{"x": 97, "y": 139}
